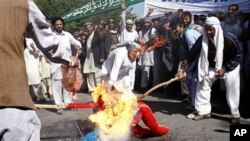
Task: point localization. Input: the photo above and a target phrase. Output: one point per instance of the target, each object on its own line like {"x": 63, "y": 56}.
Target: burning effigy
{"x": 117, "y": 110}
{"x": 119, "y": 116}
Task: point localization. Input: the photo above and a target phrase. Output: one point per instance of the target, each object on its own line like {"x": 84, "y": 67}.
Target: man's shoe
{"x": 192, "y": 115}
{"x": 201, "y": 117}
{"x": 60, "y": 111}
{"x": 235, "y": 121}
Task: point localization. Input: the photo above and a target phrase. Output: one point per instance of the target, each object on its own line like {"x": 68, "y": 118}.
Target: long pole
{"x": 158, "y": 86}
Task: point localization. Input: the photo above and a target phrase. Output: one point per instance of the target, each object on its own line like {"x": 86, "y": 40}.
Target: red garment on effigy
{"x": 147, "y": 116}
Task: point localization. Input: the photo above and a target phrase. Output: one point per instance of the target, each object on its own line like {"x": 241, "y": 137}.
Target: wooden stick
{"x": 93, "y": 105}
{"x": 77, "y": 105}
{"x": 49, "y": 106}
{"x": 158, "y": 86}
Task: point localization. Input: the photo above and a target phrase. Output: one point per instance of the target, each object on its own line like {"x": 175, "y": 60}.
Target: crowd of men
{"x": 202, "y": 48}
{"x": 102, "y": 48}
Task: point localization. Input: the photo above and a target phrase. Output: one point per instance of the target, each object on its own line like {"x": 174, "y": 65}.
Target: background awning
{"x": 194, "y": 6}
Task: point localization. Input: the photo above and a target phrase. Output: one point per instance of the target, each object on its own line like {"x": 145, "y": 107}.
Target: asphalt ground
{"x": 169, "y": 111}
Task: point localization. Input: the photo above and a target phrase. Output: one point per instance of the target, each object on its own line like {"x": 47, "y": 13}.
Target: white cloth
{"x": 125, "y": 44}
{"x": 63, "y": 50}
{"x": 218, "y": 41}
{"x": 19, "y": 125}
{"x": 145, "y": 72}
{"x": 60, "y": 94}
{"x": 147, "y": 59}
{"x": 118, "y": 70}
{"x": 45, "y": 68}
{"x": 232, "y": 82}
{"x": 32, "y": 62}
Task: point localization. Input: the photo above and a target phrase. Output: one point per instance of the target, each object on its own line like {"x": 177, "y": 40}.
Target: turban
{"x": 212, "y": 21}
{"x": 125, "y": 44}
{"x": 134, "y": 45}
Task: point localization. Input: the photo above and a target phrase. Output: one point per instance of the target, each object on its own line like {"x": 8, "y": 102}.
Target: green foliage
{"x": 51, "y": 8}
{"x": 58, "y": 7}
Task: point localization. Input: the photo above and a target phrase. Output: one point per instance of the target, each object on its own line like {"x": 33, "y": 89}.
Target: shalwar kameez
{"x": 212, "y": 55}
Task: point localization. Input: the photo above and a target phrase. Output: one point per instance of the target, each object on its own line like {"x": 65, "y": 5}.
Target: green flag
{"x": 95, "y": 7}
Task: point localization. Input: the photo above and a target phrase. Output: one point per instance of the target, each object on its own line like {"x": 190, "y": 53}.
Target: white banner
{"x": 194, "y": 6}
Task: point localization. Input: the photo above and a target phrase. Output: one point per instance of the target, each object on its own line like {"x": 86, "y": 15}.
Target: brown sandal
{"x": 201, "y": 117}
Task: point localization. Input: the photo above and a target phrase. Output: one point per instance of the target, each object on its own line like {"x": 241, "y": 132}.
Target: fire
{"x": 115, "y": 118}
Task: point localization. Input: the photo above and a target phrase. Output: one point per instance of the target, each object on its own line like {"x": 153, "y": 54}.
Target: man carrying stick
{"x": 216, "y": 54}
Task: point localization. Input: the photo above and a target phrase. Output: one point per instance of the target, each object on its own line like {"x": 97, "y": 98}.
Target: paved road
{"x": 170, "y": 112}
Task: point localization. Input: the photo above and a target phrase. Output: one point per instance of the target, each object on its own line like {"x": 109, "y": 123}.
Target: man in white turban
{"x": 217, "y": 54}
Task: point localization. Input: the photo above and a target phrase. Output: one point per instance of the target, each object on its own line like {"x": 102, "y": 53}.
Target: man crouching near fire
{"x": 118, "y": 74}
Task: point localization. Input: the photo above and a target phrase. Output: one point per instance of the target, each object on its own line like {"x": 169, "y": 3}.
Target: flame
{"x": 115, "y": 119}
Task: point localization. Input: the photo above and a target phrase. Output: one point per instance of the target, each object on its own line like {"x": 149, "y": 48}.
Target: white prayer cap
{"x": 134, "y": 45}
{"x": 125, "y": 44}
{"x": 129, "y": 21}
{"x": 212, "y": 21}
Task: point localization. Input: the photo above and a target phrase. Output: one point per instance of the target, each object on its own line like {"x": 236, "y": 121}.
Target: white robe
{"x": 125, "y": 35}
{"x": 147, "y": 59}
{"x": 32, "y": 62}
{"x": 118, "y": 70}
{"x": 63, "y": 50}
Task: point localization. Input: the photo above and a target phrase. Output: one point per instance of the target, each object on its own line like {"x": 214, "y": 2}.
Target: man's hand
{"x": 150, "y": 49}
{"x": 184, "y": 65}
{"x": 32, "y": 46}
{"x": 180, "y": 74}
{"x": 143, "y": 49}
{"x": 73, "y": 61}
{"x": 150, "y": 10}
{"x": 47, "y": 60}
{"x": 123, "y": 5}
{"x": 109, "y": 87}
{"x": 220, "y": 73}
{"x": 101, "y": 61}
{"x": 78, "y": 48}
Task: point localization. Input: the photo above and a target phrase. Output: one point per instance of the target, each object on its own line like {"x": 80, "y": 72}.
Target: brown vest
{"x": 14, "y": 90}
